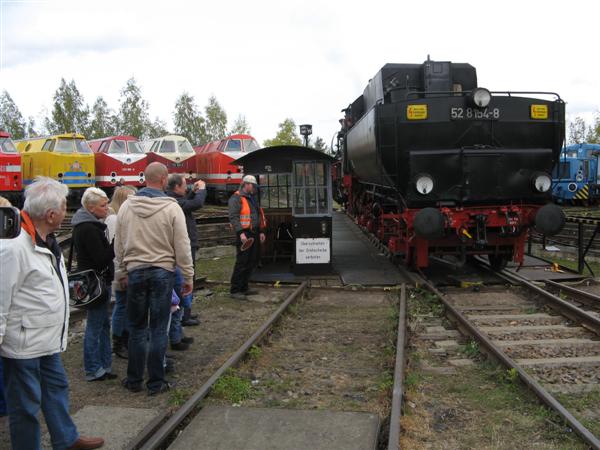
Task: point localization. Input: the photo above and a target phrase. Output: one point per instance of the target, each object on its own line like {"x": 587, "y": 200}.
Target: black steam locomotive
{"x": 433, "y": 164}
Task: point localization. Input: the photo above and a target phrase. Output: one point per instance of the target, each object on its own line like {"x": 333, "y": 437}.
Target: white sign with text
{"x": 313, "y": 251}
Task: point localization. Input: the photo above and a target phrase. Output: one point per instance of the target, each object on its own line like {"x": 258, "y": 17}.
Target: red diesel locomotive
{"x": 214, "y": 164}
{"x": 119, "y": 161}
{"x": 11, "y": 186}
{"x": 175, "y": 152}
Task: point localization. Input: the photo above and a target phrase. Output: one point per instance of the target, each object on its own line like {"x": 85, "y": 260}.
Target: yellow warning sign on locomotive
{"x": 539, "y": 112}
{"x": 416, "y": 112}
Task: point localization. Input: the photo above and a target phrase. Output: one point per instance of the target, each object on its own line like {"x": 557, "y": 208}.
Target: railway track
{"x": 549, "y": 341}
{"x": 295, "y": 340}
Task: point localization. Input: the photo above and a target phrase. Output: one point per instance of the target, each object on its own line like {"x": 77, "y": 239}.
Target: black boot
{"x": 119, "y": 348}
{"x": 187, "y": 320}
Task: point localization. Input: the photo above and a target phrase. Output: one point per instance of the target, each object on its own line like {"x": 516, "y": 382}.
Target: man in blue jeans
{"x": 151, "y": 240}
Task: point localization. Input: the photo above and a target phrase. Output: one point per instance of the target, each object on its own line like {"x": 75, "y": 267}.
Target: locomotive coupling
{"x": 429, "y": 223}
{"x": 549, "y": 220}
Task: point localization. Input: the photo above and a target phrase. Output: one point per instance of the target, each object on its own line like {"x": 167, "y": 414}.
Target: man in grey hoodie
{"x": 151, "y": 240}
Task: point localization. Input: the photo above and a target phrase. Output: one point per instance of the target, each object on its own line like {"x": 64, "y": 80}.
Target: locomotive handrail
{"x": 463, "y": 93}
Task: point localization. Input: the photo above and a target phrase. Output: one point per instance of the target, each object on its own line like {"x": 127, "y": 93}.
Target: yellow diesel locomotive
{"x": 65, "y": 157}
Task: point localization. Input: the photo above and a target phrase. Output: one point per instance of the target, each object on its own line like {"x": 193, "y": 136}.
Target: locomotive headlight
{"x": 542, "y": 183}
{"x": 481, "y": 97}
{"x": 424, "y": 184}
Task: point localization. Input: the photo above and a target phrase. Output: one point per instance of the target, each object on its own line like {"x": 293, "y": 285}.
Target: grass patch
{"x": 579, "y": 404}
{"x": 216, "y": 269}
{"x": 254, "y": 352}
{"x": 232, "y": 387}
{"x": 471, "y": 349}
{"x": 178, "y": 397}
{"x": 424, "y": 303}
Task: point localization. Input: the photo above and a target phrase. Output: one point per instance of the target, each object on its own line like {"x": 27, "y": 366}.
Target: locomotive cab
{"x": 10, "y": 170}
{"x": 175, "y": 152}
{"x": 215, "y": 164}
{"x": 120, "y": 160}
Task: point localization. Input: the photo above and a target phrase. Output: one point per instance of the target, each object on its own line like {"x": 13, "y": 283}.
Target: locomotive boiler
{"x": 434, "y": 164}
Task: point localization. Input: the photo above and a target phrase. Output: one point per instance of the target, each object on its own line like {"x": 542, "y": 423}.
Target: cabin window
{"x": 154, "y": 147}
{"x": 117, "y": 147}
{"x": 310, "y": 189}
{"x": 167, "y": 147}
{"x": 104, "y": 147}
{"x": 64, "y": 146}
{"x": 250, "y": 145}
{"x": 48, "y": 145}
{"x": 562, "y": 171}
{"x": 234, "y": 145}
{"x": 7, "y": 145}
{"x": 81, "y": 146}
{"x": 274, "y": 190}
{"x": 134, "y": 147}
{"x": 184, "y": 147}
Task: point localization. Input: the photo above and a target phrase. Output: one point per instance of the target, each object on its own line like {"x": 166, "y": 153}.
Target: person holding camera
{"x": 34, "y": 323}
{"x": 94, "y": 252}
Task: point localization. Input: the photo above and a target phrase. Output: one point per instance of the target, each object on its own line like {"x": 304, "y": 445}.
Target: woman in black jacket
{"x": 94, "y": 252}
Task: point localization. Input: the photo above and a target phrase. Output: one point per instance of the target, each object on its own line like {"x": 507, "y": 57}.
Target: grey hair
{"x": 175, "y": 179}
{"x": 92, "y": 196}
{"x": 43, "y": 195}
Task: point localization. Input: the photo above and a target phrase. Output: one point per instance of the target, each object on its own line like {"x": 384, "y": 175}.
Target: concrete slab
{"x": 537, "y": 269}
{"x": 356, "y": 260}
{"x": 118, "y": 426}
{"x": 226, "y": 428}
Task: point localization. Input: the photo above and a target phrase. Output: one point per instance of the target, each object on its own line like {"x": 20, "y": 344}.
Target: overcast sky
{"x": 275, "y": 59}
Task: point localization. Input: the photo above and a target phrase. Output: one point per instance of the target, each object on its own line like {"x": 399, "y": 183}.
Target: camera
{"x": 10, "y": 222}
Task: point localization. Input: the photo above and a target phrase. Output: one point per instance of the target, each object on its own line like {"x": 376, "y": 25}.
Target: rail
{"x": 527, "y": 379}
{"x": 397, "y": 393}
{"x": 154, "y": 437}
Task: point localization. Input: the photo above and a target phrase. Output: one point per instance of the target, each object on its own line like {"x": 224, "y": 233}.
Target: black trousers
{"x": 245, "y": 262}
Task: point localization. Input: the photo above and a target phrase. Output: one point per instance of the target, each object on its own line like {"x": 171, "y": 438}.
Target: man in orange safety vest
{"x": 248, "y": 221}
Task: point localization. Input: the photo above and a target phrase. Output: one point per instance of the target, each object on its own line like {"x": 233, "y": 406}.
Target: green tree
{"x": 593, "y": 131}
{"x": 287, "y": 135}
{"x": 156, "y": 129}
{"x": 133, "y": 115}
{"x": 240, "y": 126}
{"x": 31, "y": 128}
{"x": 188, "y": 120}
{"x": 320, "y": 145}
{"x": 103, "y": 121}
{"x": 216, "y": 120}
{"x": 11, "y": 119}
{"x": 577, "y": 131}
{"x": 69, "y": 111}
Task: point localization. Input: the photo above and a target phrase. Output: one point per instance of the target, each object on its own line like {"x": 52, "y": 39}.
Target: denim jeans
{"x": 186, "y": 301}
{"x": 32, "y": 384}
{"x": 148, "y": 310}
{"x": 175, "y": 330}
{"x": 97, "y": 352}
{"x": 119, "y": 314}
{"x": 2, "y": 398}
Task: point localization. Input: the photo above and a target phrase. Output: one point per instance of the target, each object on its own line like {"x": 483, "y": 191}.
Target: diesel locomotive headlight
{"x": 424, "y": 184}
{"x": 481, "y": 97}
{"x": 542, "y": 183}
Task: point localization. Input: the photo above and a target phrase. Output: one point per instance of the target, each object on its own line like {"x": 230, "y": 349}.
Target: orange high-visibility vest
{"x": 246, "y": 215}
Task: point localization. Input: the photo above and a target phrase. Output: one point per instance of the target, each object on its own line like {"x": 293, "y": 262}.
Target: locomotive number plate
{"x": 458, "y": 113}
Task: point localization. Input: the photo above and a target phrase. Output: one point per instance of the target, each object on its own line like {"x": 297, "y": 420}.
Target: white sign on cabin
{"x": 313, "y": 251}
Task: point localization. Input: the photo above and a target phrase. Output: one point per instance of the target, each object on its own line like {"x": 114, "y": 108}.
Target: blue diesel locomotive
{"x": 575, "y": 178}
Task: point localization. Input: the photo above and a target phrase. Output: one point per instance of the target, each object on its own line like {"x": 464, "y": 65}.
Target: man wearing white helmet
{"x": 248, "y": 221}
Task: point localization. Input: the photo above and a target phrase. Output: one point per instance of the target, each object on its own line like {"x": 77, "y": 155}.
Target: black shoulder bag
{"x": 85, "y": 286}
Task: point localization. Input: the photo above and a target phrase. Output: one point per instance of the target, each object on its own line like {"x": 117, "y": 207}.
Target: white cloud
{"x": 270, "y": 59}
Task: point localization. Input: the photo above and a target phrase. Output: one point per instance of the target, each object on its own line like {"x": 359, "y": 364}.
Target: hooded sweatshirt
{"x": 151, "y": 232}
{"x": 91, "y": 244}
